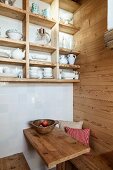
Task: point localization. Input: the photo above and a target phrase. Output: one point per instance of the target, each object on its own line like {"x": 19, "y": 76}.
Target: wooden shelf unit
{"x": 68, "y": 28}
{"x": 27, "y": 17}
{"x": 42, "y": 64}
{"x": 67, "y": 5}
{"x": 12, "y": 12}
{"x": 12, "y": 43}
{"x": 42, "y": 48}
{"x": 25, "y": 80}
{"x": 40, "y": 20}
{"x": 69, "y": 66}
{"x": 12, "y": 61}
{"x": 66, "y": 51}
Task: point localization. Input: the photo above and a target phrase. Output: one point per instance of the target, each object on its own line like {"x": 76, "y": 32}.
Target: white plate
{"x": 8, "y": 75}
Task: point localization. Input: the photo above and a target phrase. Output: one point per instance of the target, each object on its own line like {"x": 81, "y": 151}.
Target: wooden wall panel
{"x": 93, "y": 97}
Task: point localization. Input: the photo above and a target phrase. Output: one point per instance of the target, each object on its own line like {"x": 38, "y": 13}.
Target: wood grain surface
{"x": 16, "y": 162}
{"x": 55, "y": 147}
{"x": 93, "y": 97}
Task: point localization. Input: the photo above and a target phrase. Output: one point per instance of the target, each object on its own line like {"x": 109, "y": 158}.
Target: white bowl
{"x": 14, "y": 35}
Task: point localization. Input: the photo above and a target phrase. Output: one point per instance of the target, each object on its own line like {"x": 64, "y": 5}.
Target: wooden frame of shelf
{"x": 67, "y": 51}
{"x": 25, "y": 80}
{"x": 42, "y": 48}
{"x": 12, "y": 43}
{"x": 68, "y": 28}
{"x": 40, "y": 20}
{"x": 12, "y": 12}
{"x": 27, "y": 17}
{"x": 41, "y": 64}
{"x": 12, "y": 61}
{"x": 67, "y": 5}
{"x": 69, "y": 66}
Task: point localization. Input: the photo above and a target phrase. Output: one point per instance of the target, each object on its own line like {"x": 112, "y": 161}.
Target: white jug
{"x": 71, "y": 58}
{"x": 63, "y": 59}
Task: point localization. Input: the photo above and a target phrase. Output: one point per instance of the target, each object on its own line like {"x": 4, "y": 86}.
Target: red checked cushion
{"x": 82, "y": 135}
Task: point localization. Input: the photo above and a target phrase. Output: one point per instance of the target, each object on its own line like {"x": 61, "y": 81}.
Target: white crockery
{"x": 18, "y": 54}
{"x": 14, "y": 34}
{"x": 5, "y": 53}
{"x": 63, "y": 59}
{"x": 71, "y": 58}
{"x": 1, "y": 69}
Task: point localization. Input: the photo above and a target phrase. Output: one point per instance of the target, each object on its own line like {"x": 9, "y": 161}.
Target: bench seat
{"x": 14, "y": 162}
{"x": 93, "y": 162}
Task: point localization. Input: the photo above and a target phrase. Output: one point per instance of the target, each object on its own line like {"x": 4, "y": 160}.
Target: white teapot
{"x": 63, "y": 59}
{"x": 18, "y": 54}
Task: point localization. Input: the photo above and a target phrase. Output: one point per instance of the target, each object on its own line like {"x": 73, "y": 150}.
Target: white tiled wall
{"x": 20, "y": 103}
{"x": 110, "y": 14}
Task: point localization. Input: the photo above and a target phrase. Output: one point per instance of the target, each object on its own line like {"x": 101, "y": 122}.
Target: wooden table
{"x": 55, "y": 147}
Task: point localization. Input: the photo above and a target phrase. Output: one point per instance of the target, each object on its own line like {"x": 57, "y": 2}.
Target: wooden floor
{"x": 14, "y": 162}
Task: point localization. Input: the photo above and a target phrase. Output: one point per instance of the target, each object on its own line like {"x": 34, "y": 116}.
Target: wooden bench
{"x": 14, "y": 162}
{"x": 94, "y": 162}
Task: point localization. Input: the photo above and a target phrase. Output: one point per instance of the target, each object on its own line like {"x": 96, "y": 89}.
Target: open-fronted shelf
{"x": 42, "y": 64}
{"x": 40, "y": 20}
{"x": 42, "y": 48}
{"x": 68, "y": 28}
{"x": 25, "y": 80}
{"x": 12, "y": 61}
{"x": 27, "y": 17}
{"x": 69, "y": 66}
{"x": 12, "y": 12}
{"x": 47, "y": 1}
{"x": 12, "y": 43}
{"x": 68, "y": 51}
{"x": 69, "y": 5}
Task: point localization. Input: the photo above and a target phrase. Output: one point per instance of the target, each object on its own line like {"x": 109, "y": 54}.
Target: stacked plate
{"x": 36, "y": 72}
{"x": 69, "y": 75}
{"x": 48, "y": 73}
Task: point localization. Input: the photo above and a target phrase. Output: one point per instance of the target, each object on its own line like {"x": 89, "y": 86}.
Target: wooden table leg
{"x": 66, "y": 166}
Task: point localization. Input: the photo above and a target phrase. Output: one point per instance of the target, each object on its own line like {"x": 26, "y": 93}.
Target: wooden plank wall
{"x": 93, "y": 97}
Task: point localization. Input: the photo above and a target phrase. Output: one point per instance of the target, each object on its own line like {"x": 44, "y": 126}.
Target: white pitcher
{"x": 71, "y": 58}
{"x": 63, "y": 59}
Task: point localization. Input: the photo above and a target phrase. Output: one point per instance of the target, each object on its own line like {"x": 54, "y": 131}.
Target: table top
{"x": 55, "y": 147}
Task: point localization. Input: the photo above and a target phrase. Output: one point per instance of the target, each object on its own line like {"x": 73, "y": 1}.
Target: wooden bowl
{"x": 43, "y": 130}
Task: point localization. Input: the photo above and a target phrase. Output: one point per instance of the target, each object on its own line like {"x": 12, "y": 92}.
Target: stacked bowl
{"x": 48, "y": 73}
{"x": 36, "y": 72}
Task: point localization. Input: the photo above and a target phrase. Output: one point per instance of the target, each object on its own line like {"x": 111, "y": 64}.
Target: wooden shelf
{"x": 69, "y": 5}
{"x": 27, "y": 17}
{"x": 25, "y": 80}
{"x": 68, "y": 28}
{"x": 12, "y": 12}
{"x": 12, "y": 61}
{"x": 68, "y": 51}
{"x": 40, "y": 20}
{"x": 42, "y": 64}
{"x": 47, "y": 1}
{"x": 69, "y": 66}
{"x": 12, "y": 43}
{"x": 42, "y": 48}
